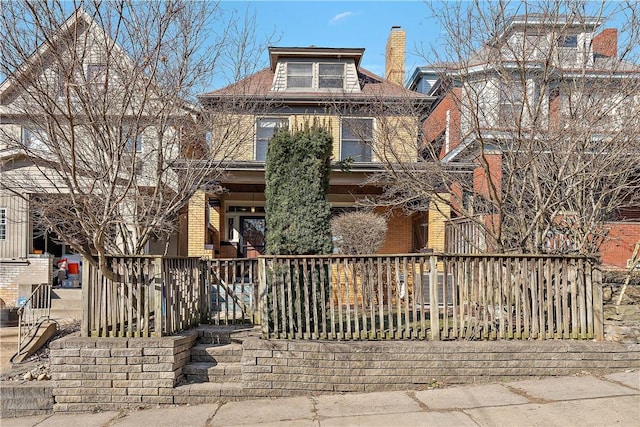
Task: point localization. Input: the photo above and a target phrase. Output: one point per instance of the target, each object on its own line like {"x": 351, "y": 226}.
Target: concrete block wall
{"x": 113, "y": 373}
{"x": 284, "y": 368}
{"x": 22, "y": 400}
{"x": 30, "y": 271}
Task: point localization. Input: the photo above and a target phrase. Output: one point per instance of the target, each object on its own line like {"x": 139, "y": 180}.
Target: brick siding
{"x": 30, "y": 271}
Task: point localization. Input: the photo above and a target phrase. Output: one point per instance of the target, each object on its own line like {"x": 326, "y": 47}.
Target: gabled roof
{"x": 79, "y": 19}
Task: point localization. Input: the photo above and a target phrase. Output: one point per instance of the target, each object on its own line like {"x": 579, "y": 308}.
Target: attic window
{"x": 315, "y": 75}
{"x": 330, "y": 76}
{"x": 568, "y": 41}
{"x": 299, "y": 75}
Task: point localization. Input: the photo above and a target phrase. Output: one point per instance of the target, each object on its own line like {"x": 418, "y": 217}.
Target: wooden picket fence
{"x": 146, "y": 296}
{"x": 430, "y": 297}
{"x": 413, "y": 296}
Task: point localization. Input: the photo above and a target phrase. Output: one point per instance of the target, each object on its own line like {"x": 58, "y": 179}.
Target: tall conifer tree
{"x": 297, "y": 183}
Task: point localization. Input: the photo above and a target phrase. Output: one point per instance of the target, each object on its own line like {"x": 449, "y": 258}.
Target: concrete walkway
{"x": 561, "y": 401}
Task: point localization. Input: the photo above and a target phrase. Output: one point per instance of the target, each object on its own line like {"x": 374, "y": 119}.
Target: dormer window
{"x": 331, "y": 76}
{"x": 315, "y": 75}
{"x": 299, "y": 75}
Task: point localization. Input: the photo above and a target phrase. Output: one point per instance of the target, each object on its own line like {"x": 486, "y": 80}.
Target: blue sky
{"x": 353, "y": 24}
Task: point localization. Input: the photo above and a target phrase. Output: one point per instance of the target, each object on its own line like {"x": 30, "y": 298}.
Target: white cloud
{"x": 339, "y": 17}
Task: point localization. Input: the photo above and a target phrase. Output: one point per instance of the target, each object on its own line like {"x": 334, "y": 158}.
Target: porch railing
{"x": 431, "y": 297}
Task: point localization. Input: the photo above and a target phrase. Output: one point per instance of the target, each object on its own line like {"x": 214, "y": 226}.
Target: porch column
{"x": 439, "y": 213}
{"x": 197, "y": 226}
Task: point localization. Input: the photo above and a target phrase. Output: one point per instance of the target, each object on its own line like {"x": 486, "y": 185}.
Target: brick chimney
{"x": 394, "y": 59}
{"x": 606, "y": 43}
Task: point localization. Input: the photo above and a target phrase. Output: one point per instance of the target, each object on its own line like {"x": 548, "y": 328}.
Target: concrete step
{"x": 213, "y": 373}
{"x": 200, "y": 393}
{"x": 218, "y": 353}
{"x": 224, "y": 334}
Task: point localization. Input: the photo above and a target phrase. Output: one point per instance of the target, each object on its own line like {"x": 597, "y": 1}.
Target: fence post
{"x": 262, "y": 309}
{"x": 157, "y": 298}
{"x": 598, "y": 314}
{"x": 433, "y": 298}
{"x": 86, "y": 275}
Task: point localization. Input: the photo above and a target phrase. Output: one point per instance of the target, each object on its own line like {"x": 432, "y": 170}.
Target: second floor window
{"x": 265, "y": 128}
{"x": 356, "y": 139}
{"x": 511, "y": 97}
{"x": 132, "y": 140}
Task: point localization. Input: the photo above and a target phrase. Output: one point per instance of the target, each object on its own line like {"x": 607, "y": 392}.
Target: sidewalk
{"x": 562, "y": 401}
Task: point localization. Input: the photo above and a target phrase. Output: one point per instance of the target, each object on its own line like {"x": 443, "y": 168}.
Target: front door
{"x": 253, "y": 229}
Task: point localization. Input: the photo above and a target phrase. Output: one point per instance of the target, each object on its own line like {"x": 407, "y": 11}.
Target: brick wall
{"x": 436, "y": 123}
{"x": 114, "y": 373}
{"x": 606, "y": 43}
{"x": 196, "y": 225}
{"x": 439, "y": 212}
{"x": 282, "y": 368}
{"x": 399, "y": 238}
{"x": 618, "y": 247}
{"x": 22, "y": 400}
{"x": 31, "y": 271}
{"x": 395, "y": 56}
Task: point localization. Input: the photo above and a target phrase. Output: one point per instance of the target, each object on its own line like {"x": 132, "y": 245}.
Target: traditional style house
{"x": 548, "y": 86}
{"x": 367, "y": 115}
{"x": 71, "y": 125}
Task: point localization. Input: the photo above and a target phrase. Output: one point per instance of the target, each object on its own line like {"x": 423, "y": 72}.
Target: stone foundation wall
{"x": 283, "y": 368}
{"x": 113, "y": 373}
{"x": 22, "y": 400}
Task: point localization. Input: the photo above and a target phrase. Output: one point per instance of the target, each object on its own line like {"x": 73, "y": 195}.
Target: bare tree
{"x": 544, "y": 147}
{"x": 100, "y": 129}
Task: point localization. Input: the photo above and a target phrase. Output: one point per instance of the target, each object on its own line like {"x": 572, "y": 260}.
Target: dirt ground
{"x": 8, "y": 346}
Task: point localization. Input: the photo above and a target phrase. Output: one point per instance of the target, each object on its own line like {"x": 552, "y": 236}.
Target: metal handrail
{"x": 35, "y": 310}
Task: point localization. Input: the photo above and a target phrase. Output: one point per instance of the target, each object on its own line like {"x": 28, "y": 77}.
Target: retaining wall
{"x": 115, "y": 373}
{"x": 22, "y": 400}
{"x": 284, "y": 368}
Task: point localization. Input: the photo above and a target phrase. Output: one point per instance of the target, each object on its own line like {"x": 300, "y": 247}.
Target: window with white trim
{"x": 299, "y": 75}
{"x": 34, "y": 138}
{"x": 265, "y": 129}
{"x": 511, "y": 100}
{"x": 96, "y": 75}
{"x": 570, "y": 41}
{"x": 3, "y": 223}
{"x": 315, "y": 75}
{"x": 330, "y": 76}
{"x": 132, "y": 139}
{"x": 356, "y": 139}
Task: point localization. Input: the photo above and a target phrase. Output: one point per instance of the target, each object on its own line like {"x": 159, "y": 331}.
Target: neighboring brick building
{"x": 485, "y": 101}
